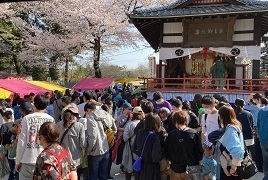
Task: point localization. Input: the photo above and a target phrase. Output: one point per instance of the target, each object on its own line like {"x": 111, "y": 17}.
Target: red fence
{"x": 206, "y": 84}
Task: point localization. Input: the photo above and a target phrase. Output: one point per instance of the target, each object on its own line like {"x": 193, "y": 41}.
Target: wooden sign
{"x": 152, "y": 65}
{"x": 208, "y": 32}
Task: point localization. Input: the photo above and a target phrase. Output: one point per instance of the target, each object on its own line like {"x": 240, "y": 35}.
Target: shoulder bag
{"x": 137, "y": 166}
{"x": 65, "y": 132}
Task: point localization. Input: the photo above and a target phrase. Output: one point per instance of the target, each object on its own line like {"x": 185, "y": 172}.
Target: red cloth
{"x": 21, "y": 87}
{"x": 93, "y": 83}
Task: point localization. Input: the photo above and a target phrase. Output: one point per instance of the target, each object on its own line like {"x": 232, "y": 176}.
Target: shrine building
{"x": 205, "y": 46}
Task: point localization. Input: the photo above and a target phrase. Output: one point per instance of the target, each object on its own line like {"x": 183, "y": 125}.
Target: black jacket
{"x": 151, "y": 156}
{"x": 246, "y": 119}
{"x": 184, "y": 147}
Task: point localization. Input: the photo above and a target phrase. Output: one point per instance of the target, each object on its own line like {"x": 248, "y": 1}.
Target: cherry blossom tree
{"x": 100, "y": 25}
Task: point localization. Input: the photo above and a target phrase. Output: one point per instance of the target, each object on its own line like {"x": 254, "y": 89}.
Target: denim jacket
{"x": 234, "y": 143}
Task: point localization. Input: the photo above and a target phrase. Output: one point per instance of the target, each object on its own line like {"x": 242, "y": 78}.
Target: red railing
{"x": 206, "y": 84}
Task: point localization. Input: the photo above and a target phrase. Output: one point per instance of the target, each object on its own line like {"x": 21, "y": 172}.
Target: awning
{"x": 48, "y": 86}
{"x": 93, "y": 84}
{"x": 4, "y": 93}
{"x": 21, "y": 87}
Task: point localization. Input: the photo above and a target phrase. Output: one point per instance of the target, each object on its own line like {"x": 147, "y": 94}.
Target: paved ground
{"x": 119, "y": 176}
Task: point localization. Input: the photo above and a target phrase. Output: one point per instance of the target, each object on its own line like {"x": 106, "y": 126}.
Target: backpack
{"x": 109, "y": 133}
{"x": 64, "y": 153}
{"x": 216, "y": 138}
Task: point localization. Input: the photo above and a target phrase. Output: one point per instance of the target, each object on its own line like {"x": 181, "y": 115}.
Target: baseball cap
{"x": 127, "y": 105}
{"x": 27, "y": 107}
{"x": 137, "y": 110}
{"x": 73, "y": 109}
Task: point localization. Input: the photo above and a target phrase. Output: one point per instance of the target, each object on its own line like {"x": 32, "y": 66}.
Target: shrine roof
{"x": 189, "y": 8}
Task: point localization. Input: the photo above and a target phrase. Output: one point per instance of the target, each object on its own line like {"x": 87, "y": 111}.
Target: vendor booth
{"x": 94, "y": 84}
{"x": 21, "y": 87}
{"x": 48, "y": 86}
{"x": 4, "y": 94}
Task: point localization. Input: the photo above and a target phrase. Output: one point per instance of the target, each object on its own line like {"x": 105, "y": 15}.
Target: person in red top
{"x": 54, "y": 161}
{"x": 134, "y": 101}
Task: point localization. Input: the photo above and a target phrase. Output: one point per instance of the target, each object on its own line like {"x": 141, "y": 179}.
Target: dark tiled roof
{"x": 172, "y": 10}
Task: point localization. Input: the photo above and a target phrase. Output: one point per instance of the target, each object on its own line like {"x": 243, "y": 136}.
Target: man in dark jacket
{"x": 147, "y": 107}
{"x": 246, "y": 119}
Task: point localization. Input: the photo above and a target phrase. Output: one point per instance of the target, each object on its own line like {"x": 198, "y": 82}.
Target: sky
{"x": 130, "y": 57}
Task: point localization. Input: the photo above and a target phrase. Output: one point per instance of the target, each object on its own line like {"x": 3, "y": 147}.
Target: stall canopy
{"x": 4, "y": 93}
{"x": 48, "y": 86}
{"x": 21, "y": 87}
{"x": 93, "y": 83}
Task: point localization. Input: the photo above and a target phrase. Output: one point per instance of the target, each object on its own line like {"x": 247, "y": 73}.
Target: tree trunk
{"x": 96, "y": 58}
{"x": 53, "y": 70}
{"x": 66, "y": 69}
{"x": 17, "y": 64}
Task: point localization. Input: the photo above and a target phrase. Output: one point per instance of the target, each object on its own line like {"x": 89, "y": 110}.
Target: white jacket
{"x": 29, "y": 148}
{"x": 97, "y": 139}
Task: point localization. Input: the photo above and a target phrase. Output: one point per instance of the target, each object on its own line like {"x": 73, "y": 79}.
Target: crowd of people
{"x": 80, "y": 134}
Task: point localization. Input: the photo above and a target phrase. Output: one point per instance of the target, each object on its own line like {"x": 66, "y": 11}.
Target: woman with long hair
{"x": 232, "y": 140}
{"x": 152, "y": 149}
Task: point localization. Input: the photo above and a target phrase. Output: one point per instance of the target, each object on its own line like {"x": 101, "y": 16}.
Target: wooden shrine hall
{"x": 205, "y": 46}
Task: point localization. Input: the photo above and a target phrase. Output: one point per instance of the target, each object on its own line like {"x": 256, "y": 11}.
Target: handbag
{"x": 248, "y": 167}
{"x": 137, "y": 166}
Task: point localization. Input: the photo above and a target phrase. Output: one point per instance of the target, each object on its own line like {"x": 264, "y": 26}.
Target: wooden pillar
{"x": 160, "y": 69}
{"x": 256, "y": 74}
{"x": 160, "y": 74}
{"x": 256, "y": 69}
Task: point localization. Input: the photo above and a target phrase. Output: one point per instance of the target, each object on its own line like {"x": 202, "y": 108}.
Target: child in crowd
{"x": 4, "y": 168}
{"x": 209, "y": 165}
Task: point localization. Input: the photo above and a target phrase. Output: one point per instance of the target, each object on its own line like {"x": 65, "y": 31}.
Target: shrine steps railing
{"x": 204, "y": 84}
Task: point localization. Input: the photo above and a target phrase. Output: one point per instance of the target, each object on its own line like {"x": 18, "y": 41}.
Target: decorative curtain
{"x": 170, "y": 53}
{"x": 252, "y": 52}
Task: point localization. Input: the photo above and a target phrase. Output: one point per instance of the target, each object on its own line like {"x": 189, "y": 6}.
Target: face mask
{"x": 258, "y": 105}
{"x": 207, "y": 111}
